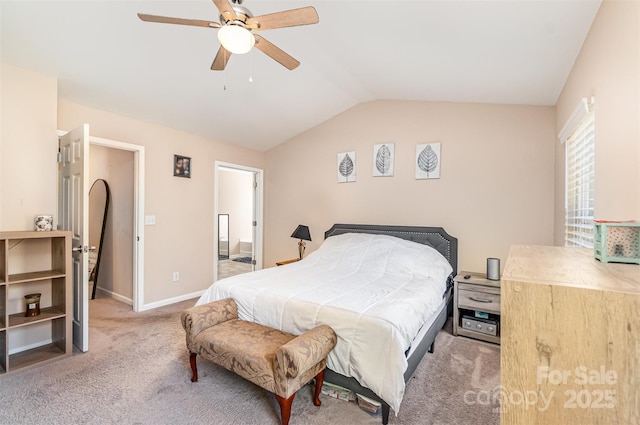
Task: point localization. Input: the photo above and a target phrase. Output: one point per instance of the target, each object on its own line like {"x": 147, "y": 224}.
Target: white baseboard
{"x": 170, "y": 301}
{"x": 118, "y": 297}
{"x": 153, "y": 305}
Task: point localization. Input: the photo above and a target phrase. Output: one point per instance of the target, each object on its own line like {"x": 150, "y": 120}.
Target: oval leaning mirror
{"x": 99, "y": 196}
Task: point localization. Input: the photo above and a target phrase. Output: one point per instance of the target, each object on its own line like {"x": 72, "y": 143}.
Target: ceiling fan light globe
{"x": 236, "y": 39}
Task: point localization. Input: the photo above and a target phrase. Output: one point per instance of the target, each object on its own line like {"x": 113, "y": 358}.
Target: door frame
{"x": 257, "y": 212}
{"x": 138, "y": 212}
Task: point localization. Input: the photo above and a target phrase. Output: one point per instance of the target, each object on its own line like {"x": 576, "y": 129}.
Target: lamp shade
{"x": 236, "y": 39}
{"x": 301, "y": 232}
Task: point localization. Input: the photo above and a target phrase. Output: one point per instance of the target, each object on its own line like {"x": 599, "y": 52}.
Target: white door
{"x": 74, "y": 215}
{"x": 254, "y": 221}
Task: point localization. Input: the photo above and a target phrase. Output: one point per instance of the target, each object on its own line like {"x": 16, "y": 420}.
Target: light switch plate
{"x": 149, "y": 220}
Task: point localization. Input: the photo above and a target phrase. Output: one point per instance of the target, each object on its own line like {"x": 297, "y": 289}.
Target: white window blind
{"x": 579, "y": 193}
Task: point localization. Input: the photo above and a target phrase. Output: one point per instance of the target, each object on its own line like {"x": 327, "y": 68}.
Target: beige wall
{"x": 607, "y": 68}
{"x": 495, "y": 190}
{"x": 116, "y": 167}
{"x": 182, "y": 239}
{"x": 28, "y": 147}
{"x": 28, "y": 177}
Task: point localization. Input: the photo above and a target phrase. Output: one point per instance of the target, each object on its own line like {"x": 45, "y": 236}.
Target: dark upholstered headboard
{"x": 435, "y": 237}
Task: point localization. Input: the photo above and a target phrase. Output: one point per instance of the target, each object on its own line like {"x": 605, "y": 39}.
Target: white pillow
{"x": 384, "y": 252}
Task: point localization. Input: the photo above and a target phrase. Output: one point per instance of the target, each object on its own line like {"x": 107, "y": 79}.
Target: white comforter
{"x": 375, "y": 292}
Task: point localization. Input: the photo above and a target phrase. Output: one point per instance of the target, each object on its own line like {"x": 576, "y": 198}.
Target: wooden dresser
{"x": 570, "y": 350}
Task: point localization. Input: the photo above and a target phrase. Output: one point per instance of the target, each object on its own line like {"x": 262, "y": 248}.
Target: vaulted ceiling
{"x": 504, "y": 51}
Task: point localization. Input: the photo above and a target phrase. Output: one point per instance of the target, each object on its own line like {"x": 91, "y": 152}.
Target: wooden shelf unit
{"x": 55, "y": 275}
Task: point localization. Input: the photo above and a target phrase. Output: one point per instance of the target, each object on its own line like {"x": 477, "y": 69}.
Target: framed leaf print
{"x": 346, "y": 167}
{"x": 383, "y": 159}
{"x": 428, "y": 161}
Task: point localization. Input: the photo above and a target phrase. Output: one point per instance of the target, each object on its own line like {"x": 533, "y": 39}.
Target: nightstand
{"x": 282, "y": 263}
{"x": 476, "y": 307}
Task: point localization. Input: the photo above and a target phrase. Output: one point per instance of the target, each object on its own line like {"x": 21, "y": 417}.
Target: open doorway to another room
{"x": 238, "y": 220}
{"x": 116, "y": 168}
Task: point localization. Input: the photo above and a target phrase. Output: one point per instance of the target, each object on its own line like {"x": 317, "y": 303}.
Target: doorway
{"x": 124, "y": 164}
{"x": 238, "y": 214}
{"x": 115, "y": 167}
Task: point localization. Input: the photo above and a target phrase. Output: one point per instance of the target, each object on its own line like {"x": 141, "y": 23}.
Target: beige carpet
{"x": 137, "y": 372}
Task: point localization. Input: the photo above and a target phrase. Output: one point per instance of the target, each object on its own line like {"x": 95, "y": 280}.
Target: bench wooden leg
{"x": 194, "y": 368}
{"x": 318, "y": 389}
{"x": 285, "y": 407}
{"x": 285, "y": 403}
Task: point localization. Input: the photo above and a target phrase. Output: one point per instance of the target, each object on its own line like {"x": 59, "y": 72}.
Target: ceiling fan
{"x": 236, "y": 26}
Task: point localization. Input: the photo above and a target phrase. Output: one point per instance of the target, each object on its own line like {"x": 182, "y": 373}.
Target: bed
{"x": 385, "y": 298}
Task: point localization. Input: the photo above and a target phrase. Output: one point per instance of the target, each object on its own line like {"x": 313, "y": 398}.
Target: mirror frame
{"x": 96, "y": 268}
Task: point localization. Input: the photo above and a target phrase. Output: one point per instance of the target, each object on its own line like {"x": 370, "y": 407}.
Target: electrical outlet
{"x": 176, "y": 276}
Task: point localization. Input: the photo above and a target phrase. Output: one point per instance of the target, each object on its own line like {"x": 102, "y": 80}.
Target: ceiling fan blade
{"x": 288, "y": 18}
{"x": 220, "y": 62}
{"x": 276, "y": 53}
{"x": 179, "y": 21}
{"x": 225, "y": 9}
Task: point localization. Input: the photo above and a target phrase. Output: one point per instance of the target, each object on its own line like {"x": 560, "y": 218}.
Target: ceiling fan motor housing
{"x": 242, "y": 15}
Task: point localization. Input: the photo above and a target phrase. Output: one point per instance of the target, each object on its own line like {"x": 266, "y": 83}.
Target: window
{"x": 579, "y": 191}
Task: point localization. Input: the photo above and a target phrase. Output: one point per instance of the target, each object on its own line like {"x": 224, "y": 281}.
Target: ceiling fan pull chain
{"x": 224, "y": 73}
{"x": 251, "y": 67}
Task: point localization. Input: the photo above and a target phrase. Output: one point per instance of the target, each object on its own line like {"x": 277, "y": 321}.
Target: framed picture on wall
{"x": 383, "y": 159}
{"x": 428, "y": 161}
{"x": 181, "y": 166}
{"x": 346, "y": 167}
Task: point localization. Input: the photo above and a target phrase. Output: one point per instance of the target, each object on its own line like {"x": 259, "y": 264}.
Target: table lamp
{"x": 302, "y": 233}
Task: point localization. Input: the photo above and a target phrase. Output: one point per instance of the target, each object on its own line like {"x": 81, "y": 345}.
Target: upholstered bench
{"x": 277, "y": 361}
